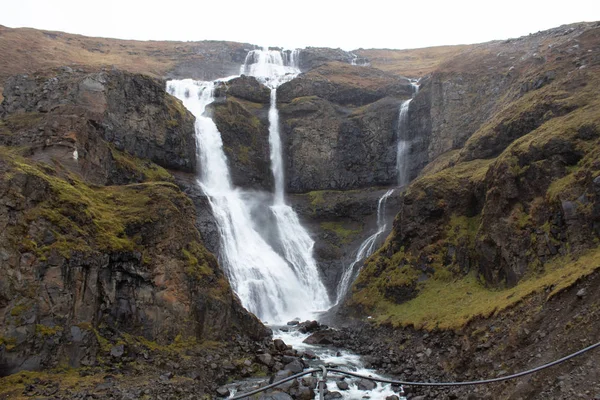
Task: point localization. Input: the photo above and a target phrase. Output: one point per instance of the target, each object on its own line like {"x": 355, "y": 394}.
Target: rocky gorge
{"x": 111, "y": 261}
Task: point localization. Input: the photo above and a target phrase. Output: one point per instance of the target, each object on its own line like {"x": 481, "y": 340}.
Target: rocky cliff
{"x": 509, "y": 193}
{"x": 99, "y": 250}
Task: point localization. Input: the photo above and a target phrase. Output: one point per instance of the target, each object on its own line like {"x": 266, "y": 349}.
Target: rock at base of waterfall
{"x": 333, "y": 395}
{"x": 266, "y": 359}
{"x": 342, "y": 385}
{"x": 275, "y": 396}
{"x": 295, "y": 366}
{"x": 309, "y": 326}
{"x": 223, "y": 391}
{"x": 366, "y": 384}
{"x": 392, "y": 397}
{"x": 321, "y": 337}
{"x": 280, "y": 345}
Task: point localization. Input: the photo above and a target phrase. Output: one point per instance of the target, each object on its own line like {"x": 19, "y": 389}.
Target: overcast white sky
{"x": 347, "y": 24}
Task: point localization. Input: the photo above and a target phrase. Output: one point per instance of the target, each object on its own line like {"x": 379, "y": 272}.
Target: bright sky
{"x": 347, "y": 24}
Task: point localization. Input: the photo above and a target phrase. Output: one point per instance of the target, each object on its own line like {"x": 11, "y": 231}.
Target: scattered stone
{"x": 342, "y": 385}
{"x": 223, "y": 391}
{"x": 392, "y": 397}
{"x": 366, "y": 384}
{"x": 293, "y": 323}
{"x": 295, "y": 366}
{"x": 310, "y": 355}
{"x": 333, "y": 395}
{"x": 266, "y": 359}
{"x": 581, "y": 293}
{"x": 279, "y": 345}
{"x": 321, "y": 337}
{"x": 117, "y": 351}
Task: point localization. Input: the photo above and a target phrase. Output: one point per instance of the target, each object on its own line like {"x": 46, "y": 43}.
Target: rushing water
{"x": 265, "y": 281}
{"x": 365, "y": 249}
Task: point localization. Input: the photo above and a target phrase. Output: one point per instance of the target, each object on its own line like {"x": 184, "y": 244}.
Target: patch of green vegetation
{"x": 4, "y": 129}
{"x": 451, "y": 305}
{"x": 88, "y": 218}
{"x": 44, "y": 330}
{"x": 19, "y": 309}
{"x": 316, "y": 198}
{"x": 344, "y": 233}
{"x": 13, "y": 386}
{"x": 9, "y": 343}
{"x": 463, "y": 229}
{"x": 146, "y": 169}
{"x": 244, "y": 155}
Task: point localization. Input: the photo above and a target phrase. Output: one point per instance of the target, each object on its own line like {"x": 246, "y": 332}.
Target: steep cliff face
{"x": 241, "y": 115}
{"x": 89, "y": 265}
{"x": 73, "y": 110}
{"x": 516, "y": 206}
{"x": 340, "y": 124}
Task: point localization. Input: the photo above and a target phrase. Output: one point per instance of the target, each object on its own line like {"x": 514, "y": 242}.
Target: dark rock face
{"x": 88, "y": 266}
{"x": 133, "y": 112}
{"x": 241, "y": 115}
{"x": 218, "y": 60}
{"x": 312, "y": 57}
{"x": 334, "y": 148}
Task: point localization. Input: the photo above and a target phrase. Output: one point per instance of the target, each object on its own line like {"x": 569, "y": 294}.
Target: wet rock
{"x": 366, "y": 384}
{"x": 342, "y": 385}
{"x": 223, "y": 391}
{"x": 280, "y": 345}
{"x": 266, "y": 359}
{"x": 275, "y": 396}
{"x": 309, "y": 326}
{"x": 392, "y": 397}
{"x": 321, "y": 337}
{"x": 333, "y": 395}
{"x": 295, "y": 367}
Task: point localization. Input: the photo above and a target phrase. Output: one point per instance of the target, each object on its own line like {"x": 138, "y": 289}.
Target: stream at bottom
{"x": 314, "y": 356}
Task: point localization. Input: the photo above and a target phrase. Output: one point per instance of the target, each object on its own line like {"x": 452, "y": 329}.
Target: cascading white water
{"x": 267, "y": 285}
{"x": 402, "y": 146}
{"x": 365, "y": 250}
{"x": 368, "y": 246}
{"x": 273, "y": 68}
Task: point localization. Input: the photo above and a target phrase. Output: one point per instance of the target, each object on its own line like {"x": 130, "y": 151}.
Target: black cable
{"x": 262, "y": 389}
{"x": 480, "y": 382}
{"x": 407, "y": 383}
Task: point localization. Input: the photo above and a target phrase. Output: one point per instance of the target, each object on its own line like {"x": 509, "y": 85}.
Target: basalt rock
{"x": 65, "y": 109}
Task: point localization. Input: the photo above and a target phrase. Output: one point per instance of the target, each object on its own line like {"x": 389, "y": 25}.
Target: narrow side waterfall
{"x": 267, "y": 284}
{"x": 365, "y": 249}
{"x": 403, "y": 146}
{"x": 273, "y": 68}
{"x": 368, "y": 246}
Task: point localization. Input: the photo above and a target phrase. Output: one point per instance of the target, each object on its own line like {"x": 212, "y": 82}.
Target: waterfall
{"x": 402, "y": 146}
{"x": 368, "y": 246}
{"x": 268, "y": 284}
{"x": 272, "y": 68}
{"x": 364, "y": 250}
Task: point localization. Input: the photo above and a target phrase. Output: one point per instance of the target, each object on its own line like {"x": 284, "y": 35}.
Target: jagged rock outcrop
{"x": 241, "y": 115}
{"x": 498, "y": 208}
{"x": 313, "y": 57}
{"x": 87, "y": 267}
{"x": 345, "y": 84}
{"x": 133, "y": 112}
{"x": 332, "y": 148}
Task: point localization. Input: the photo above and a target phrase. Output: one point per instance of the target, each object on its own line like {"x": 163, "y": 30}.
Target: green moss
{"x": 340, "y": 229}
{"x": 44, "y": 330}
{"x": 452, "y": 304}
{"x": 147, "y": 170}
{"x": 19, "y": 309}
{"x": 9, "y": 343}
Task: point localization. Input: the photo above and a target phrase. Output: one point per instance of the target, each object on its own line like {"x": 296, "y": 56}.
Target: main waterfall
{"x": 276, "y": 287}
{"x": 272, "y": 68}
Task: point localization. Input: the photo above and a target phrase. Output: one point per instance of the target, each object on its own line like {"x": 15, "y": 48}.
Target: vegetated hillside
{"x": 510, "y": 210}
{"x": 102, "y": 265}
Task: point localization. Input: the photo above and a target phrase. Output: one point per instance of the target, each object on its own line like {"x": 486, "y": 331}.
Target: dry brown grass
{"x": 25, "y": 50}
{"x": 412, "y": 62}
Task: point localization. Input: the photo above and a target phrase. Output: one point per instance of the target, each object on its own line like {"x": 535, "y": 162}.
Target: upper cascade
{"x": 272, "y": 67}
